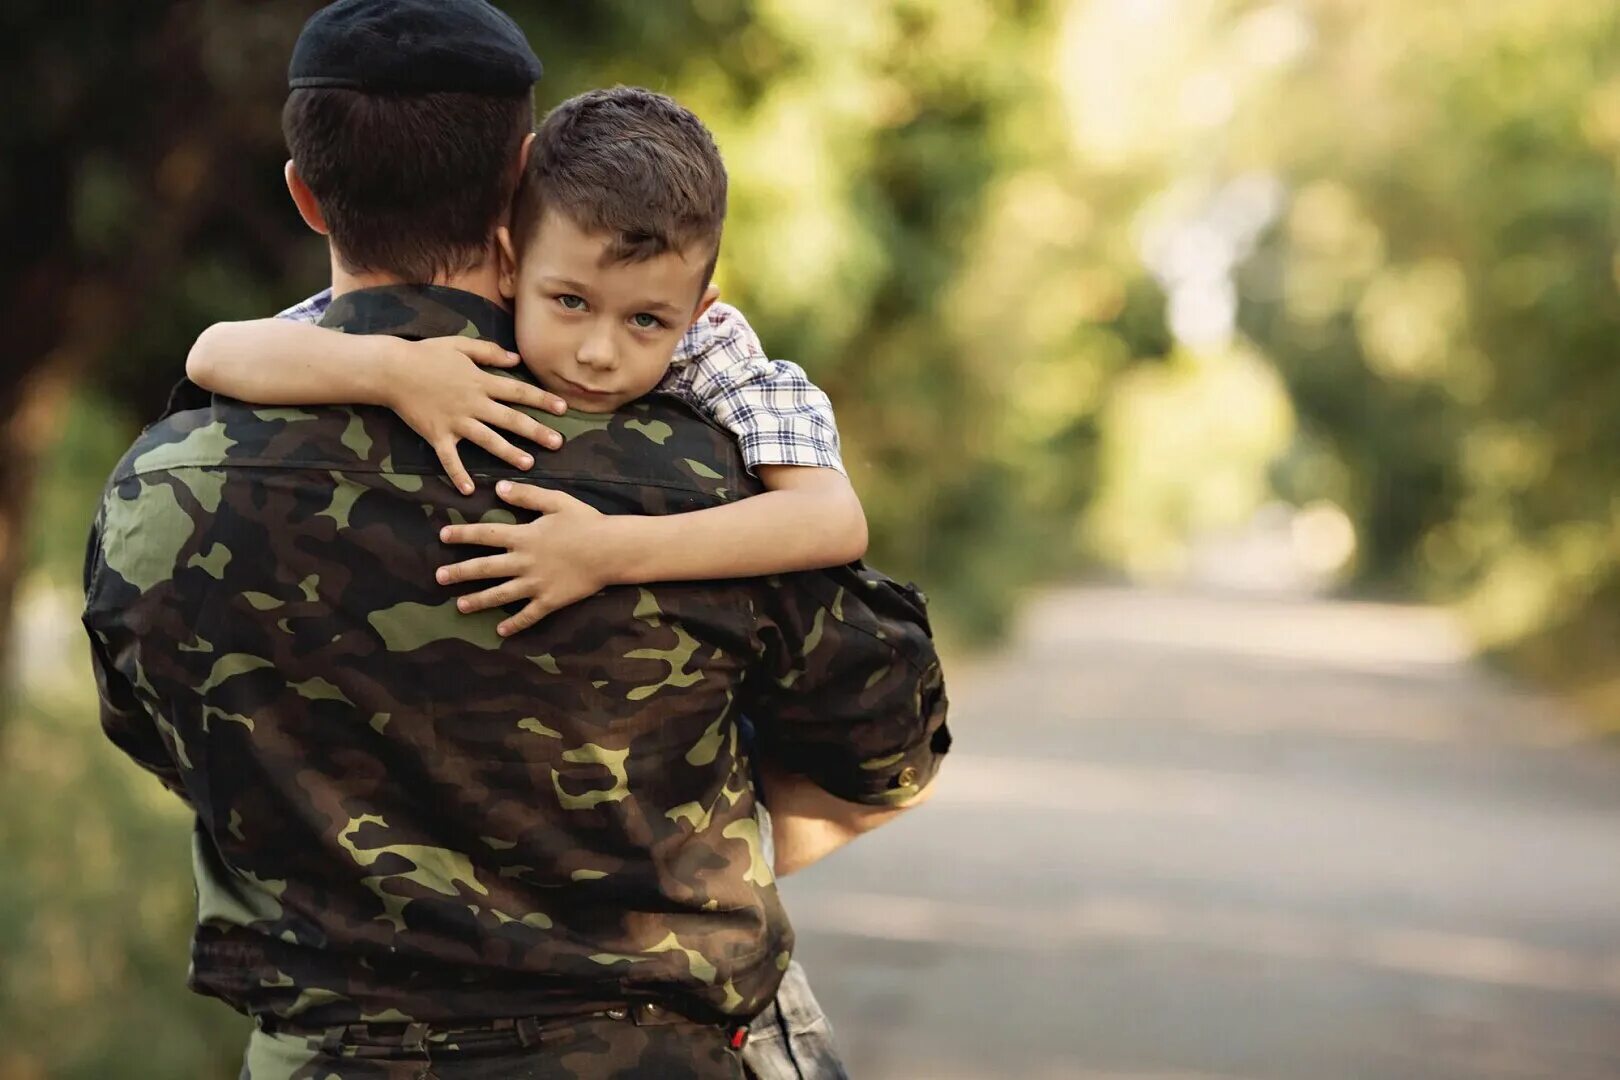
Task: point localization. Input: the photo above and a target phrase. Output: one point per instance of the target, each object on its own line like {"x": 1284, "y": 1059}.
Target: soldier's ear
{"x": 304, "y": 199}
{"x": 507, "y": 278}
{"x": 523, "y": 159}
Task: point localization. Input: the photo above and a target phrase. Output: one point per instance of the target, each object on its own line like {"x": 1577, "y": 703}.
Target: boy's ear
{"x": 304, "y": 199}
{"x": 508, "y": 260}
{"x": 705, "y": 302}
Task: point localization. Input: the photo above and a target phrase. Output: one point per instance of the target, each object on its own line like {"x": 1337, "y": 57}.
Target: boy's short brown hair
{"x": 630, "y": 163}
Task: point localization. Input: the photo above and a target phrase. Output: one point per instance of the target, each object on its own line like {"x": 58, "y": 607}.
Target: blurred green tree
{"x": 1441, "y": 297}
{"x": 133, "y": 198}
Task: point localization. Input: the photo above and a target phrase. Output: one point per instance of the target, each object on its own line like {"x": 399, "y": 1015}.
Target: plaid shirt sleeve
{"x": 310, "y": 310}
{"x": 772, "y": 408}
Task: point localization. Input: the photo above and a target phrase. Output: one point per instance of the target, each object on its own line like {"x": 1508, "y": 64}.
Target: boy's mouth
{"x": 572, "y": 387}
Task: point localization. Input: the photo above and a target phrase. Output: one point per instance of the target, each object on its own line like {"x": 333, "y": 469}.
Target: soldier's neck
{"x": 482, "y": 280}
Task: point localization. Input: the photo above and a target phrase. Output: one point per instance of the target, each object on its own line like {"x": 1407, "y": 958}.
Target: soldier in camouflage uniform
{"x": 425, "y": 850}
{"x": 404, "y": 819}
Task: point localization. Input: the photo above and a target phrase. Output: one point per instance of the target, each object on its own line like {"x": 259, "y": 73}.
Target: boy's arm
{"x": 437, "y": 386}
{"x": 808, "y": 518}
{"x": 785, "y": 427}
{"x": 811, "y": 518}
{"x": 281, "y": 362}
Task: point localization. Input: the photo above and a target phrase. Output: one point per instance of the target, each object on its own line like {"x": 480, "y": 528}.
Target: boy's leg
{"x": 792, "y": 1039}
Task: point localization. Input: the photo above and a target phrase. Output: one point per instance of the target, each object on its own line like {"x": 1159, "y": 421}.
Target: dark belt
{"x": 528, "y": 1030}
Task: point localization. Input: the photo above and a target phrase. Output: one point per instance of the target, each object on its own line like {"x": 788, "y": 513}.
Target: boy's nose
{"x": 596, "y": 351}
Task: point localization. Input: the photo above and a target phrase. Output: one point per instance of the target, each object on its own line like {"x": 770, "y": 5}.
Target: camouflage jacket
{"x": 401, "y": 815}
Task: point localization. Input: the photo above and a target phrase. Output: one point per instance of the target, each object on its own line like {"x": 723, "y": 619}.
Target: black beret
{"x": 414, "y": 47}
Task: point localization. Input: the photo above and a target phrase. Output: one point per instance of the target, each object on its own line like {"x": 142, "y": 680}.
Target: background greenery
{"x": 1091, "y": 282}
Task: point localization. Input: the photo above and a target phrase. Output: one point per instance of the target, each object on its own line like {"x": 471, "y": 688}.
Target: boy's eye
{"x": 644, "y": 321}
{"x": 571, "y": 302}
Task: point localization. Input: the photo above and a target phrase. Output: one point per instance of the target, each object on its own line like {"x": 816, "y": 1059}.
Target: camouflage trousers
{"x": 624, "y": 1043}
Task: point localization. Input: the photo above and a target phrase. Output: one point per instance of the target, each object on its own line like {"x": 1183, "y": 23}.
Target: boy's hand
{"x": 438, "y": 387}
{"x": 553, "y": 561}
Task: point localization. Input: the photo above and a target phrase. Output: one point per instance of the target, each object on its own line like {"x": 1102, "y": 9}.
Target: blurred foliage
{"x": 96, "y": 910}
{"x": 1086, "y": 280}
{"x": 1441, "y": 297}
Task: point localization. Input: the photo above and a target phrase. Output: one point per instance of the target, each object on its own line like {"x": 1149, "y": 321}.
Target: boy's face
{"x": 599, "y": 333}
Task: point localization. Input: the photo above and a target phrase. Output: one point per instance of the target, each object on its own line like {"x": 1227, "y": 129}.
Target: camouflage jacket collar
{"x": 421, "y": 311}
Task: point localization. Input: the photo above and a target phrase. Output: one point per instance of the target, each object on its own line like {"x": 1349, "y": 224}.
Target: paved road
{"x": 1200, "y": 838}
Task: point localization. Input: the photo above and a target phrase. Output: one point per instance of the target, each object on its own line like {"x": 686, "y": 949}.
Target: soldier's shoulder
{"x": 670, "y": 442}
{"x": 228, "y": 430}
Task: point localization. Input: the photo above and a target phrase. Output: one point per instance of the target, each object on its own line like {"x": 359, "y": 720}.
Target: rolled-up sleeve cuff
{"x": 774, "y": 448}
{"x": 898, "y": 777}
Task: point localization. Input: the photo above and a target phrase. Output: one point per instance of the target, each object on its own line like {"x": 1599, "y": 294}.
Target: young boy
{"x": 615, "y": 233}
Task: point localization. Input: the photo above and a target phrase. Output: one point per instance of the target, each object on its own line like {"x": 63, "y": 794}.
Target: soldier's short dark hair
{"x": 410, "y": 184}
{"x": 632, "y": 164}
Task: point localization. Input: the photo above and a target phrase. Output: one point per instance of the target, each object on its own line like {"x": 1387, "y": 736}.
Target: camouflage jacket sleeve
{"x": 853, "y": 697}
{"x": 127, "y": 721}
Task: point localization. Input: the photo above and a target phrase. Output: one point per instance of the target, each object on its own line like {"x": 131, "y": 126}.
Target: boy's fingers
{"x": 453, "y": 468}
{"x": 505, "y": 593}
{"x": 536, "y": 610}
{"x": 523, "y": 424}
{"x": 529, "y": 497}
{"x": 519, "y": 392}
{"x": 484, "y": 353}
{"x": 483, "y": 435}
{"x": 479, "y": 569}
{"x": 481, "y": 535}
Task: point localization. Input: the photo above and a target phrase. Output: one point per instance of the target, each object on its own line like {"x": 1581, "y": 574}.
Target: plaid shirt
{"x": 771, "y": 407}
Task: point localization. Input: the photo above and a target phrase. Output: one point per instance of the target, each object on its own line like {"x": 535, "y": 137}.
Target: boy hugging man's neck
{"x": 608, "y": 263}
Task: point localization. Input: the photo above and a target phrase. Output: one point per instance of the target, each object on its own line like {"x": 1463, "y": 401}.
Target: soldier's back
{"x": 402, "y": 814}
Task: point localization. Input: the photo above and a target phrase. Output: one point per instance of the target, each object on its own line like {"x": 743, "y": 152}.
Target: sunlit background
{"x": 1290, "y": 326}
